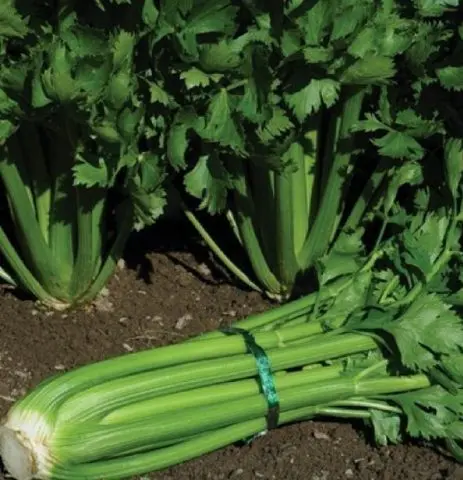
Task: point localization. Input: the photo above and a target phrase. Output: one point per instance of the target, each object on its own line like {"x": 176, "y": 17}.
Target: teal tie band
{"x": 265, "y": 373}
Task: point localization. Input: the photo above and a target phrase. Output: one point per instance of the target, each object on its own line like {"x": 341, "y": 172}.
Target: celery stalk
{"x": 328, "y": 214}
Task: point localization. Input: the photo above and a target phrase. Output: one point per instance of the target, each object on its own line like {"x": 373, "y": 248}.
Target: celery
{"x": 148, "y": 410}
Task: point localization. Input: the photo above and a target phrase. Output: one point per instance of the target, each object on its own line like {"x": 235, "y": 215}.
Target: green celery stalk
{"x": 34, "y": 247}
{"x": 40, "y": 178}
{"x": 90, "y": 202}
{"x": 221, "y": 255}
{"x": 302, "y": 183}
{"x": 285, "y": 220}
{"x": 63, "y": 221}
{"x": 245, "y": 218}
{"x": 338, "y": 157}
{"x": 216, "y": 394}
{"x": 260, "y": 181}
{"x": 97, "y": 401}
{"x": 108, "y": 265}
{"x": 92, "y": 442}
{"x": 21, "y": 272}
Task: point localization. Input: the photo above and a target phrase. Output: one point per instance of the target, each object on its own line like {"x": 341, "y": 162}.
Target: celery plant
{"x": 267, "y": 103}
{"x": 69, "y": 147}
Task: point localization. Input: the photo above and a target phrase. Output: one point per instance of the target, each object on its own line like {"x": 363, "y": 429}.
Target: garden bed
{"x": 163, "y": 294}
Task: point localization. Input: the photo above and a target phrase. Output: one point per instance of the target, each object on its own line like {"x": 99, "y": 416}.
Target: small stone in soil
{"x": 204, "y": 270}
{"x": 236, "y": 473}
{"x": 102, "y": 302}
{"x": 321, "y": 435}
{"x": 182, "y": 321}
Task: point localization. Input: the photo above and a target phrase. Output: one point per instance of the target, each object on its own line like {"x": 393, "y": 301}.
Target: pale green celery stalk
{"x": 232, "y": 222}
{"x": 97, "y": 401}
{"x": 89, "y": 205}
{"x": 245, "y": 218}
{"x": 220, "y": 254}
{"x": 100, "y": 233}
{"x": 361, "y": 402}
{"x": 297, "y": 309}
{"x": 35, "y": 250}
{"x": 207, "y": 442}
{"x": 21, "y": 273}
{"x": 6, "y": 276}
{"x": 270, "y": 319}
{"x": 339, "y": 143}
{"x": 304, "y": 192}
{"x": 290, "y": 214}
{"x": 64, "y": 211}
{"x": 215, "y": 394}
{"x": 108, "y": 265}
{"x": 285, "y": 221}
{"x": 94, "y": 390}
{"x": 49, "y": 394}
{"x": 92, "y": 442}
{"x": 39, "y": 176}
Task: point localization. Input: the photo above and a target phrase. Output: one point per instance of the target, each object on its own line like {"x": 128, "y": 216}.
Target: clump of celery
{"x": 71, "y": 166}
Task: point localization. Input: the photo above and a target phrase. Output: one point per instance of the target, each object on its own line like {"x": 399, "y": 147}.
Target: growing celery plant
{"x": 269, "y": 99}
{"x": 69, "y": 142}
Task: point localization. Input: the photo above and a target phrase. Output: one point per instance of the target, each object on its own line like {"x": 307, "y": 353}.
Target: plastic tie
{"x": 264, "y": 370}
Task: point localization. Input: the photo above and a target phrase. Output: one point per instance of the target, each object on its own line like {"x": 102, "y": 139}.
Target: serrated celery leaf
{"x": 345, "y": 257}
{"x": 221, "y": 126}
{"x": 194, "y": 77}
{"x": 370, "y": 70}
{"x": 386, "y": 427}
{"x": 178, "y": 138}
{"x": 210, "y": 16}
{"x": 208, "y": 181}
{"x": 453, "y": 157}
{"x": 91, "y": 173}
{"x": 451, "y": 78}
{"x": 431, "y": 412}
{"x": 426, "y": 331}
{"x": 150, "y": 14}
{"x": 400, "y": 145}
{"x": 310, "y": 98}
{"x": 278, "y": 124}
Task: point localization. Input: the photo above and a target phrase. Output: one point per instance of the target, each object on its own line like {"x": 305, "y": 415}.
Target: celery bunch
{"x": 75, "y": 180}
{"x": 302, "y": 123}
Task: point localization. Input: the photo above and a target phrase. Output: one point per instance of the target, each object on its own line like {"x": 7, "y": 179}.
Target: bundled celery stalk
{"x": 71, "y": 171}
{"x": 152, "y": 409}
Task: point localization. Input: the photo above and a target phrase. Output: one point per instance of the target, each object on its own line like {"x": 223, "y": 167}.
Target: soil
{"x": 163, "y": 294}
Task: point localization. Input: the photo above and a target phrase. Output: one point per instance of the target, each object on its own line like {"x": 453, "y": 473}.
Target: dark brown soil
{"x": 162, "y": 297}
